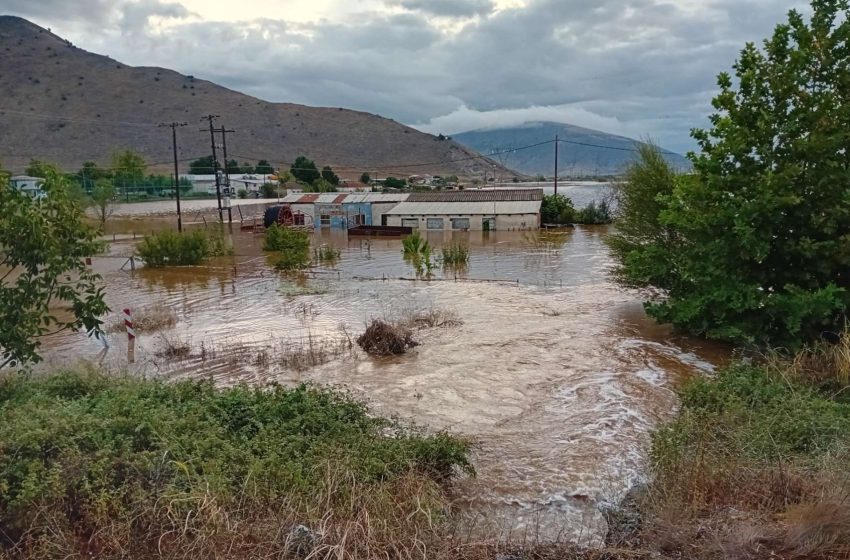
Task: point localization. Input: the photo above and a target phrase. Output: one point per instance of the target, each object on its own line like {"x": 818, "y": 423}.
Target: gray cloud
{"x": 635, "y": 67}
{"x": 448, "y": 8}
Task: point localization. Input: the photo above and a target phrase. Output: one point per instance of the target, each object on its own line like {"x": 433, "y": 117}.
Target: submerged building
{"x": 470, "y": 210}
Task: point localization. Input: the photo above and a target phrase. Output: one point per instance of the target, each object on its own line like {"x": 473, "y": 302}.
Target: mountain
{"x": 583, "y": 152}
{"x": 62, "y": 104}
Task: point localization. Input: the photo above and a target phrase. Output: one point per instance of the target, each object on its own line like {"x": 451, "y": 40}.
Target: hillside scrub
{"x": 169, "y": 248}
{"x": 118, "y": 467}
{"x": 754, "y": 247}
{"x": 755, "y": 465}
{"x": 292, "y": 244}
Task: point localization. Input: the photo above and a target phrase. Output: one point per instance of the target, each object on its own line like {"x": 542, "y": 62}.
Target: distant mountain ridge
{"x": 583, "y": 152}
{"x": 66, "y": 105}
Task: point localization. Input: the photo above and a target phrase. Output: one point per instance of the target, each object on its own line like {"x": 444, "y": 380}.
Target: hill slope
{"x": 607, "y": 155}
{"x": 102, "y": 102}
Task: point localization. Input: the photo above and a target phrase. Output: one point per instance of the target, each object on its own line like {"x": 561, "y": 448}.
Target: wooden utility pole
{"x": 215, "y": 164}
{"x": 224, "y": 132}
{"x": 174, "y": 126}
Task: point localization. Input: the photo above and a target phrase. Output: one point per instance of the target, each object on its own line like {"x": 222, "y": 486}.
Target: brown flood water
{"x": 556, "y": 373}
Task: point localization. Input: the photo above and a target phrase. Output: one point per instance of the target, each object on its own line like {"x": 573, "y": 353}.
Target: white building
{"x": 28, "y": 185}
{"x": 477, "y": 210}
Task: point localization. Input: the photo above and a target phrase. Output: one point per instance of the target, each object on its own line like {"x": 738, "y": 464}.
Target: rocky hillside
{"x": 107, "y": 106}
{"x": 584, "y": 152}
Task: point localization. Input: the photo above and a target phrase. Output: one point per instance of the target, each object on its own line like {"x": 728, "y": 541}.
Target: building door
{"x": 488, "y": 224}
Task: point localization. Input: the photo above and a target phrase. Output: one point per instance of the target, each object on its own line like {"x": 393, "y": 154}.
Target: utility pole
{"x": 224, "y": 132}
{"x": 556, "y": 163}
{"x": 174, "y": 126}
{"x": 215, "y": 164}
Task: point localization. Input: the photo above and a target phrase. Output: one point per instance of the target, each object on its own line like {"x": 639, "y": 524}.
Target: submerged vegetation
{"x": 455, "y": 254}
{"x": 326, "y": 254}
{"x": 170, "y": 248}
{"x": 557, "y": 209}
{"x": 417, "y": 251}
{"x": 125, "y": 467}
{"x": 293, "y": 246}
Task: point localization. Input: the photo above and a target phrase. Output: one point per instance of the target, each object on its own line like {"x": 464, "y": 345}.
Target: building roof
{"x": 478, "y": 195}
{"x": 411, "y": 208}
{"x": 339, "y": 198}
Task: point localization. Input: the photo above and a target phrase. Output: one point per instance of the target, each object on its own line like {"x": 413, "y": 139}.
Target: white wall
{"x": 504, "y": 222}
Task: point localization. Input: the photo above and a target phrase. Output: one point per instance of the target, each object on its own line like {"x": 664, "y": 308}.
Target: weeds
{"x": 120, "y": 467}
{"x": 174, "y": 348}
{"x": 169, "y": 248}
{"x": 326, "y": 254}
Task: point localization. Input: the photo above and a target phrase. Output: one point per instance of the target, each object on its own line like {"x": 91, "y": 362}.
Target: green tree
{"x": 89, "y": 174}
{"x": 329, "y": 175}
{"x": 246, "y": 168}
{"x": 232, "y": 167}
{"x": 264, "y": 168}
{"x": 764, "y": 224}
{"x": 202, "y": 166}
{"x": 129, "y": 169}
{"x": 394, "y": 183}
{"x": 43, "y": 244}
{"x": 305, "y": 170}
{"x": 103, "y": 195}
{"x": 557, "y": 209}
{"x": 365, "y": 179}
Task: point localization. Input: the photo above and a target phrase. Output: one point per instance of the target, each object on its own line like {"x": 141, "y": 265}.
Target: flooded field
{"x": 555, "y": 372}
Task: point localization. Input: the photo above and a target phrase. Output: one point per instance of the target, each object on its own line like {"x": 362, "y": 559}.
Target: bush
{"x": 269, "y": 190}
{"x": 293, "y": 245}
{"x": 595, "y": 214}
{"x": 242, "y": 193}
{"x": 169, "y": 248}
{"x": 557, "y": 209}
{"x": 417, "y": 251}
{"x": 127, "y": 467}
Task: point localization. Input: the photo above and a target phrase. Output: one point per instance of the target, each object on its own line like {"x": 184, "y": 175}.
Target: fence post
{"x": 131, "y": 336}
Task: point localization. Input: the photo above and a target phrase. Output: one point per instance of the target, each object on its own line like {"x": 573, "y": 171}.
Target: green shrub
{"x": 242, "y": 193}
{"x": 169, "y": 248}
{"x": 293, "y": 245}
{"x": 557, "y": 209}
{"x": 85, "y": 453}
{"x": 269, "y": 190}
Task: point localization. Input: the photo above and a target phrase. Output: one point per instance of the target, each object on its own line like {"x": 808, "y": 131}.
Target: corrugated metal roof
{"x": 331, "y": 198}
{"x": 411, "y": 208}
{"x": 376, "y": 197}
{"x": 477, "y": 195}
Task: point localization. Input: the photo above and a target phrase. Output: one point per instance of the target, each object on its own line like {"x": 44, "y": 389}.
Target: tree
{"x": 757, "y": 241}
{"x": 43, "y": 243}
{"x": 102, "y": 196}
{"x": 38, "y": 168}
{"x": 320, "y": 186}
{"x": 329, "y": 175}
{"x": 202, "y": 166}
{"x": 304, "y": 170}
{"x": 246, "y": 168}
{"x": 90, "y": 173}
{"x": 393, "y": 183}
{"x": 557, "y": 209}
{"x": 232, "y": 167}
{"x": 129, "y": 168}
{"x": 264, "y": 168}
{"x": 365, "y": 179}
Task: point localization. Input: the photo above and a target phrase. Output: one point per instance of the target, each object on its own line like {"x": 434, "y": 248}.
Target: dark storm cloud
{"x": 448, "y": 8}
{"x": 635, "y": 67}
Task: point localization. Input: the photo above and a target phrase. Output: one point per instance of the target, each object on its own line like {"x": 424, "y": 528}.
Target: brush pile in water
{"x": 384, "y": 339}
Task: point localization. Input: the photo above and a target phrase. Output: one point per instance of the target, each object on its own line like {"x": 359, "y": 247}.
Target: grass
{"x": 326, "y": 254}
{"x": 293, "y": 246}
{"x": 148, "y": 319}
{"x": 120, "y": 467}
{"x": 755, "y": 464}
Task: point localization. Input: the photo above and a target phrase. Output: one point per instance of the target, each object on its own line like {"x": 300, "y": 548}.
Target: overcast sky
{"x": 642, "y": 68}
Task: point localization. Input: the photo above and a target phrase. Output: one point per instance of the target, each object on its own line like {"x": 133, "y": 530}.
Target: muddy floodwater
{"x": 555, "y": 372}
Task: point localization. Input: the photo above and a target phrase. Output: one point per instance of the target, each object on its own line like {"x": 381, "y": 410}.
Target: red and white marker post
{"x": 131, "y": 336}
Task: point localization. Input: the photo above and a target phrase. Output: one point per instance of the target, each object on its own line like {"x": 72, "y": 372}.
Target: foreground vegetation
{"x": 755, "y": 465}
{"x": 292, "y": 246}
{"x": 122, "y": 467}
